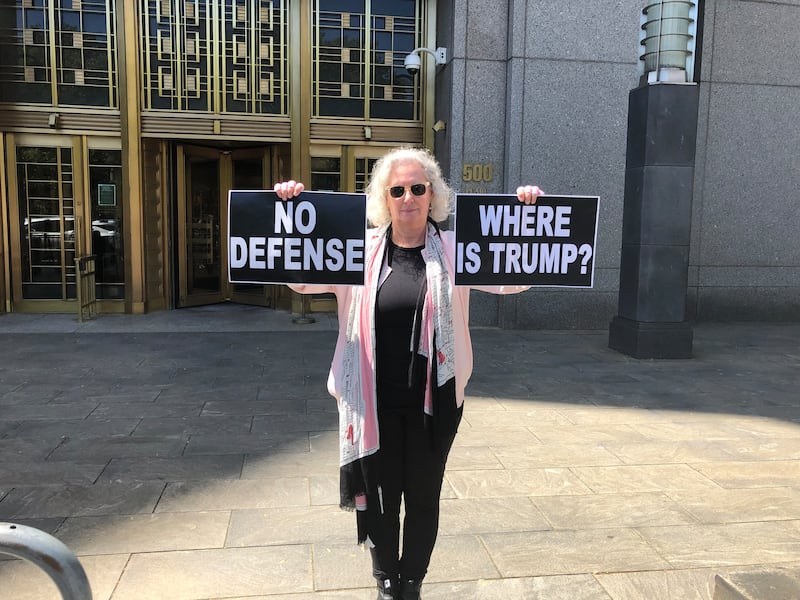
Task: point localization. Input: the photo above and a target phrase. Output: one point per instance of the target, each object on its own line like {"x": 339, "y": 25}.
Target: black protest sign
{"x": 315, "y": 238}
{"x": 502, "y": 241}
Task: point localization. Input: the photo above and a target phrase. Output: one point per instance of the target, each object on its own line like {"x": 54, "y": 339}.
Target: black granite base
{"x": 650, "y": 340}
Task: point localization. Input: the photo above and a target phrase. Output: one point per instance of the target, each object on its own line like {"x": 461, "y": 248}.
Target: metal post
{"x": 85, "y": 280}
{"x": 303, "y": 319}
{"x": 50, "y": 555}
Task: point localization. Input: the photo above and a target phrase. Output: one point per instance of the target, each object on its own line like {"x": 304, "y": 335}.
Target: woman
{"x": 402, "y": 361}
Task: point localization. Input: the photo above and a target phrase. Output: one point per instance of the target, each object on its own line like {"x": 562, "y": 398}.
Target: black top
{"x": 399, "y": 298}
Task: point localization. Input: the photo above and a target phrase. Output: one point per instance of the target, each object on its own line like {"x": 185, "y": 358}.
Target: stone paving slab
{"x": 32, "y": 472}
{"x": 608, "y": 511}
{"x": 192, "y": 455}
{"x": 223, "y": 494}
{"x": 189, "y": 575}
{"x": 24, "y": 581}
{"x": 150, "y": 533}
{"x": 692, "y": 546}
{"x": 324, "y": 524}
{"x": 182, "y": 468}
{"x": 752, "y": 474}
{"x": 741, "y": 505}
{"x": 564, "y": 552}
{"x": 36, "y": 502}
{"x": 686, "y": 584}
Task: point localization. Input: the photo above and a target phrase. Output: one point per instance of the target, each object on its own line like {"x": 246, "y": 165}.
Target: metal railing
{"x": 50, "y": 555}
{"x": 85, "y": 284}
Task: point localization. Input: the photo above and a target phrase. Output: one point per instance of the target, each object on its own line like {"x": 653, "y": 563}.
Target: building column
{"x": 659, "y": 172}
{"x": 133, "y": 211}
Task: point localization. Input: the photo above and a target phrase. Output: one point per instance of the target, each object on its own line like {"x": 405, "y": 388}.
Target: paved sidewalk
{"x": 191, "y": 455}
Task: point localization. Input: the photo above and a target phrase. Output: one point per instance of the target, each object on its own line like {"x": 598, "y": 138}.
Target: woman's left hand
{"x": 529, "y": 193}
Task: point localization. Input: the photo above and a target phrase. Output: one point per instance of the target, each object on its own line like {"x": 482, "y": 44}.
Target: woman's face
{"x": 409, "y": 212}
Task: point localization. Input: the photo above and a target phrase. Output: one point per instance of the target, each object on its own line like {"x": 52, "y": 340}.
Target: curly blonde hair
{"x": 377, "y": 208}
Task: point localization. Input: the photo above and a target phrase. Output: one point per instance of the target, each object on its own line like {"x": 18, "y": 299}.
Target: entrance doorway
{"x": 205, "y": 175}
{"x": 65, "y": 204}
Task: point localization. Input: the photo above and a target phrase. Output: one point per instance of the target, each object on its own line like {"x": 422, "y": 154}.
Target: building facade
{"x": 125, "y": 123}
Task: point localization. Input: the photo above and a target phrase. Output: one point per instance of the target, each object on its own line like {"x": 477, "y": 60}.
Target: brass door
{"x": 205, "y": 175}
{"x": 65, "y": 201}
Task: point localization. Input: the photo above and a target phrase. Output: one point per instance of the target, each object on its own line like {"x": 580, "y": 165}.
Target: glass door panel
{"x": 203, "y": 221}
{"x": 105, "y": 187}
{"x": 205, "y": 177}
{"x": 201, "y": 264}
{"x": 46, "y": 212}
{"x": 326, "y": 173}
{"x": 65, "y": 202}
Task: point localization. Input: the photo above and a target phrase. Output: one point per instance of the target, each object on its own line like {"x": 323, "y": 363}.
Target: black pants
{"x": 411, "y": 470}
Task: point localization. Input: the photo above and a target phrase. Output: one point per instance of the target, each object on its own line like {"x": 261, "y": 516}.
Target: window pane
{"x": 24, "y": 59}
{"x": 341, "y": 62}
{"x": 325, "y": 174}
{"x": 86, "y": 41}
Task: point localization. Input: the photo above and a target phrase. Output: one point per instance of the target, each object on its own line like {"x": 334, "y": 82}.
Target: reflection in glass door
{"x": 202, "y": 267}
{"x": 46, "y": 209}
{"x": 105, "y": 192}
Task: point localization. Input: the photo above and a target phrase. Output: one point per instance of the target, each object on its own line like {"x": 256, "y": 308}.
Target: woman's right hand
{"x": 288, "y": 189}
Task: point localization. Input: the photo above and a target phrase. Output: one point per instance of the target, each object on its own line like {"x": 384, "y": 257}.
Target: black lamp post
{"x": 659, "y": 171}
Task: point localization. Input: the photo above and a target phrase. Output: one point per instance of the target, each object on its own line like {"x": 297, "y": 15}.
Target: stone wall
{"x": 538, "y": 90}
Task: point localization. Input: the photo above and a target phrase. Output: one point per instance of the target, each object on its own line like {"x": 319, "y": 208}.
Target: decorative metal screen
{"x": 206, "y": 55}
{"x": 358, "y": 51}
{"x": 59, "y": 52}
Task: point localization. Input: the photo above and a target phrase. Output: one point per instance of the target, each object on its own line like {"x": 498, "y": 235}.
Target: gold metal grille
{"x": 58, "y": 53}
{"x": 207, "y": 55}
{"x": 358, "y": 57}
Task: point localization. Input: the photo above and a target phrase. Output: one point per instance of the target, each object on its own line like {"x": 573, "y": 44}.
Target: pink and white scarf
{"x": 358, "y": 413}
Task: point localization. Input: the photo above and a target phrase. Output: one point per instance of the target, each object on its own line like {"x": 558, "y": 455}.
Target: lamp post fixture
{"x": 667, "y": 42}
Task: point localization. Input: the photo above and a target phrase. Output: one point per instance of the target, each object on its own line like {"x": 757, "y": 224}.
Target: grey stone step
{"x": 768, "y": 584}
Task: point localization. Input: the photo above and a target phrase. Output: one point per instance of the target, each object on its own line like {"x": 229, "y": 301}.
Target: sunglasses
{"x": 417, "y": 189}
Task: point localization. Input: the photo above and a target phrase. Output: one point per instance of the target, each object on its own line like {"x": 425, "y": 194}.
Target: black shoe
{"x": 387, "y": 589}
{"x": 409, "y": 589}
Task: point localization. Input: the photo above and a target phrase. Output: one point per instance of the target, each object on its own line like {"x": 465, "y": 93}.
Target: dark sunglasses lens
{"x": 418, "y": 189}
{"x": 397, "y": 191}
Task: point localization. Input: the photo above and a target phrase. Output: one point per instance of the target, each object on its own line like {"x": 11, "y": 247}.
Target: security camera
{"x": 412, "y": 63}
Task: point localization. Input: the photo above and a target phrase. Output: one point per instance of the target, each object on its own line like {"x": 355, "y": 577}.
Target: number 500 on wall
{"x": 477, "y": 172}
